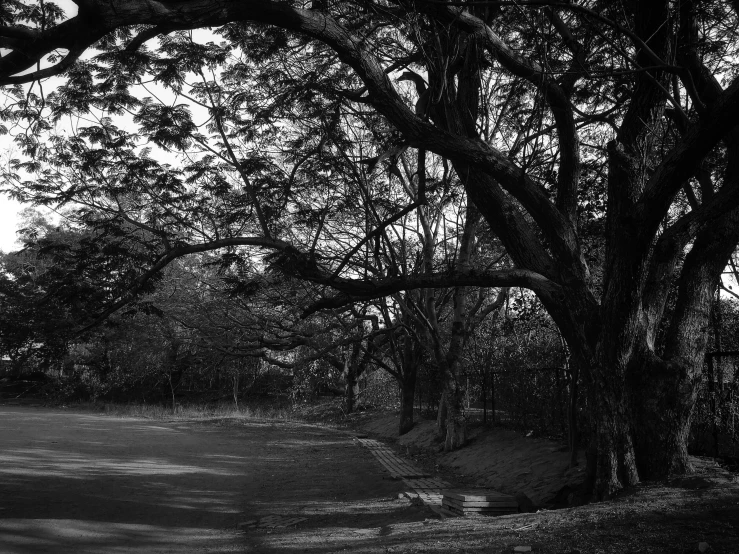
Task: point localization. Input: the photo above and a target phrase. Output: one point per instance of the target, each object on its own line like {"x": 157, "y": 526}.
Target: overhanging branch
{"x": 687, "y": 156}
{"x": 173, "y": 254}
{"x": 355, "y": 290}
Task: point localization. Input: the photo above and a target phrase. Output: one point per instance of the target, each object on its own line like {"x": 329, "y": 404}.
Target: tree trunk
{"x": 407, "y": 396}
{"x": 572, "y": 429}
{"x": 351, "y": 389}
{"x": 666, "y": 388}
{"x": 492, "y": 398}
{"x": 456, "y": 425}
{"x": 467, "y": 392}
{"x": 451, "y": 424}
{"x": 171, "y": 389}
{"x": 451, "y": 421}
{"x": 713, "y": 403}
{"x": 441, "y": 417}
{"x": 640, "y": 407}
{"x": 664, "y": 411}
{"x": 615, "y": 458}
{"x": 715, "y": 371}
{"x": 484, "y": 399}
{"x": 351, "y": 374}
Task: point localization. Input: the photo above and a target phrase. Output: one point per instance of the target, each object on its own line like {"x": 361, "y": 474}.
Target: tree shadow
{"x": 92, "y": 484}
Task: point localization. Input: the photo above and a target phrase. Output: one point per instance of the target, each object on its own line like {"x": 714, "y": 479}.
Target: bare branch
{"x": 686, "y": 157}
{"x": 145, "y": 36}
{"x": 354, "y": 291}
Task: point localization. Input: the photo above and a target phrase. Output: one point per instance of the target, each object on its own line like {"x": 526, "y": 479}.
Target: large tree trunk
{"x": 615, "y": 460}
{"x": 666, "y": 388}
{"x": 663, "y": 407}
{"x": 640, "y": 407}
{"x": 643, "y": 400}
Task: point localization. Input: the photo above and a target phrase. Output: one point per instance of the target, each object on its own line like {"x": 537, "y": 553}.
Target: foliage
{"x": 523, "y": 364}
{"x": 715, "y": 428}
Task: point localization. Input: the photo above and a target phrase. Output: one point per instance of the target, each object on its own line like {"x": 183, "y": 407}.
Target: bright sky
{"x": 9, "y": 209}
{"x": 8, "y": 223}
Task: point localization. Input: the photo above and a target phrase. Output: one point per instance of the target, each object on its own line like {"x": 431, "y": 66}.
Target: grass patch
{"x": 326, "y": 411}
{"x": 278, "y": 411}
{"x": 323, "y": 410}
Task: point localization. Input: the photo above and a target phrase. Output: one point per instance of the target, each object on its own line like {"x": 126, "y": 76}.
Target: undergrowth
{"x": 261, "y": 410}
{"x": 326, "y": 411}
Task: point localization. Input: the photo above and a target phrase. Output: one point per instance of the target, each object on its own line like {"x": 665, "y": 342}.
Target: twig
{"x": 525, "y": 527}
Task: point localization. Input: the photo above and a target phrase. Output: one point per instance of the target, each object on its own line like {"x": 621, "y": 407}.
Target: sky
{"x": 9, "y": 221}
{"x": 9, "y": 208}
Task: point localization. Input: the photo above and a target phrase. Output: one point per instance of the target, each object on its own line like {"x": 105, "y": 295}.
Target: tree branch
{"x": 686, "y": 156}
{"x": 146, "y": 35}
{"x": 376, "y": 232}
{"x": 170, "y": 256}
{"x": 356, "y": 290}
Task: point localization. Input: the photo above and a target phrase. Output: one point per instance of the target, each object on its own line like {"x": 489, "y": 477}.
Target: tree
{"x": 243, "y": 315}
{"x": 61, "y": 279}
{"x": 541, "y": 107}
{"x": 440, "y": 234}
{"x": 436, "y": 324}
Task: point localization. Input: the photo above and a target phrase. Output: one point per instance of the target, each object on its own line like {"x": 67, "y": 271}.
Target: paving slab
{"x": 427, "y": 488}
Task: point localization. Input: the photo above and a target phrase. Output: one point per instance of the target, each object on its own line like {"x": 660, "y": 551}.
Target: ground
{"x": 82, "y": 482}
{"x": 85, "y": 482}
{"x": 500, "y": 459}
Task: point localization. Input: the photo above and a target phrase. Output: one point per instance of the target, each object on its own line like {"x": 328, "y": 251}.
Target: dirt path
{"x": 83, "y": 483}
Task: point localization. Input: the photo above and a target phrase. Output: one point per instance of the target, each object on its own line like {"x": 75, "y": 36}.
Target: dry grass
{"x": 194, "y": 411}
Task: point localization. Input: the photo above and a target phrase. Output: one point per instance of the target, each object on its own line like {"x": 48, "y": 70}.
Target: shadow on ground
{"x": 81, "y": 483}
{"x": 85, "y": 483}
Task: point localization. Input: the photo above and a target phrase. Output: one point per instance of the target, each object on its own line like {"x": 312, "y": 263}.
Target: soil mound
{"x": 499, "y": 459}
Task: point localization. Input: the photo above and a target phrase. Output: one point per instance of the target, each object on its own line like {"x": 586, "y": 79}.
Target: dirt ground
{"x": 82, "y": 482}
{"x": 699, "y": 513}
{"x": 499, "y": 459}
